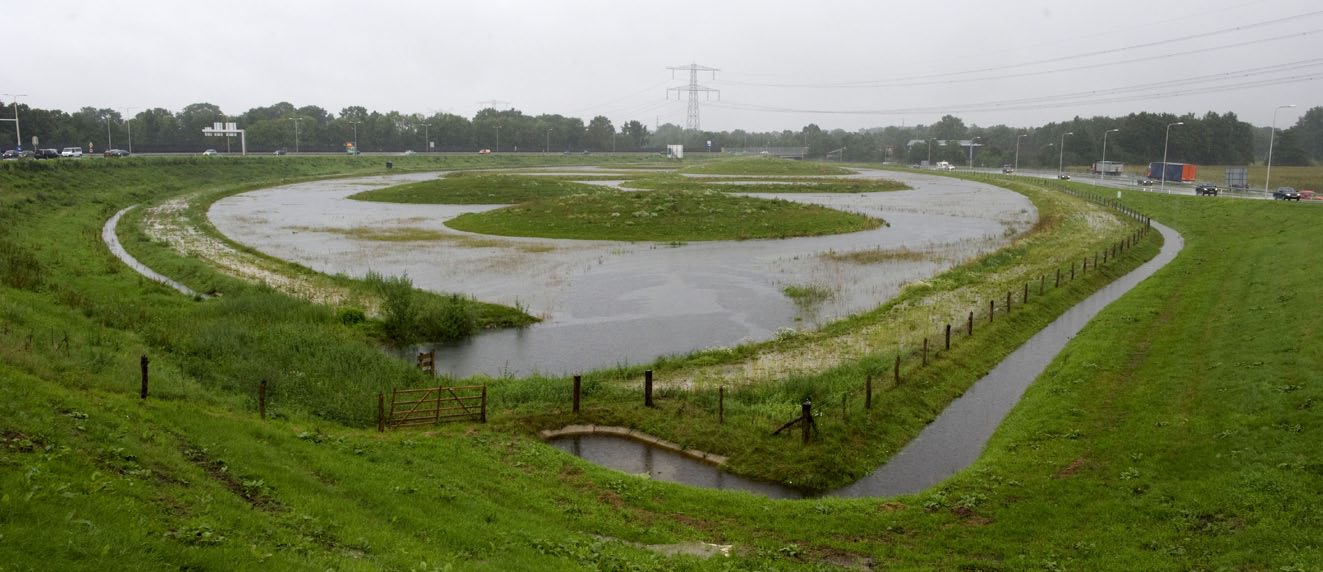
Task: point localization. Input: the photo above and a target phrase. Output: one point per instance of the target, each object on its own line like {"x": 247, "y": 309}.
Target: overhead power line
{"x": 916, "y": 80}
{"x": 1185, "y": 86}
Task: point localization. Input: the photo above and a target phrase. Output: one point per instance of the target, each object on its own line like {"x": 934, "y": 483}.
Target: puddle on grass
{"x": 953, "y": 441}
{"x": 608, "y": 303}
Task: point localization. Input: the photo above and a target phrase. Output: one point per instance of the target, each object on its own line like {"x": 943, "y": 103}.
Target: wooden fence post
{"x": 381, "y": 413}
{"x": 1042, "y": 283}
{"x": 925, "y": 351}
{"x": 143, "y": 362}
{"x": 1008, "y": 302}
{"x": 971, "y": 323}
{"x": 721, "y": 404}
{"x": 482, "y": 415}
{"x": 948, "y": 337}
{"x": 436, "y": 417}
{"x": 868, "y": 391}
{"x": 577, "y": 380}
{"x": 806, "y": 413}
{"x": 1026, "y": 294}
{"x": 897, "y": 370}
{"x": 992, "y": 310}
{"x": 261, "y": 399}
{"x": 647, "y": 388}
{"x": 1072, "y": 271}
{"x": 1058, "y": 284}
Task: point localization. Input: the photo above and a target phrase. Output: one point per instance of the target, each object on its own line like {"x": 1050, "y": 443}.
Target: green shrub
{"x": 398, "y": 308}
{"x": 350, "y": 316}
{"x": 450, "y": 318}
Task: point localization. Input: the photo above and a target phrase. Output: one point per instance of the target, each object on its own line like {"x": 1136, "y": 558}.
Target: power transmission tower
{"x": 691, "y": 122}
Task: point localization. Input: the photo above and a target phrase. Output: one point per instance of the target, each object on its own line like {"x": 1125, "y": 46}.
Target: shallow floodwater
{"x": 952, "y": 442}
{"x": 607, "y": 303}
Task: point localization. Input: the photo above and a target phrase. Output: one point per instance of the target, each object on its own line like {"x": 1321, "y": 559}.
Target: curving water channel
{"x": 952, "y": 442}
{"x": 607, "y": 303}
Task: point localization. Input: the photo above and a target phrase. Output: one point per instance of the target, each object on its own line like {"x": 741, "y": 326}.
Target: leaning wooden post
{"x": 143, "y": 362}
{"x": 925, "y": 351}
{"x": 1084, "y": 266}
{"x": 381, "y": 413}
{"x": 897, "y": 370}
{"x": 868, "y": 391}
{"x": 482, "y": 415}
{"x": 1072, "y": 271}
{"x": 806, "y": 414}
{"x": 971, "y": 323}
{"x": 721, "y": 404}
{"x": 992, "y": 310}
{"x": 948, "y": 337}
{"x": 1058, "y": 284}
{"x": 261, "y": 399}
{"x": 1026, "y": 294}
{"x": 1008, "y": 302}
{"x": 577, "y": 380}
{"x": 1095, "y": 261}
{"x": 647, "y": 388}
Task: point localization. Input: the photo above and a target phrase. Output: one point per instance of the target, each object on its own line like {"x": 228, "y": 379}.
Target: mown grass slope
{"x": 1176, "y": 432}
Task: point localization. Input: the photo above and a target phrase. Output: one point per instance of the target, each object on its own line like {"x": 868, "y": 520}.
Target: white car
{"x": 210, "y": 153}
{"x": 71, "y": 152}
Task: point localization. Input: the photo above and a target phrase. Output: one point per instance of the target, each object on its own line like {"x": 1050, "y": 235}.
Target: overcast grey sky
{"x": 838, "y": 63}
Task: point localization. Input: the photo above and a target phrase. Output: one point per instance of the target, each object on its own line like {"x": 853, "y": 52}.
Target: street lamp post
{"x": 498, "y": 139}
{"x": 427, "y": 139}
{"x": 1266, "y": 178}
{"x": 930, "y": 152}
{"x": 1061, "y": 154}
{"x": 1163, "y": 186}
{"x": 109, "y": 141}
{"x": 18, "y": 133}
{"x": 1017, "y": 150}
{"x": 971, "y": 152}
{"x": 355, "y": 124}
{"x": 1103, "y": 164}
{"x": 128, "y": 122}
{"x": 547, "y": 149}
{"x": 296, "y": 120}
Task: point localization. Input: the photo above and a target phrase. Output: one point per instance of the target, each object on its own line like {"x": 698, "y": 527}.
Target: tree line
{"x": 1137, "y": 138}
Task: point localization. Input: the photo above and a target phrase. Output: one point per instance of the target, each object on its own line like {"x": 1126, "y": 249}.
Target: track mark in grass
{"x": 254, "y": 491}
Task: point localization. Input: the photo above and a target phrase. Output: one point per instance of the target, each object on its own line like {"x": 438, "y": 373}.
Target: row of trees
{"x": 1136, "y": 138}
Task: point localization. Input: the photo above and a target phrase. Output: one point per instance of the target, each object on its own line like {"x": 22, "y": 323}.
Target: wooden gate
{"x": 430, "y": 405}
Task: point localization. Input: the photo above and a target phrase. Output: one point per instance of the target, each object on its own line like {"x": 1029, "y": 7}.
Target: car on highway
{"x": 1007, "y": 169}
{"x": 115, "y": 153}
{"x": 1307, "y": 195}
{"x": 15, "y": 154}
{"x": 280, "y": 151}
{"x": 1145, "y": 182}
{"x": 71, "y": 152}
{"x": 1063, "y": 177}
{"x": 1285, "y": 194}
{"x": 210, "y": 153}
{"x": 46, "y": 154}
{"x": 1205, "y": 189}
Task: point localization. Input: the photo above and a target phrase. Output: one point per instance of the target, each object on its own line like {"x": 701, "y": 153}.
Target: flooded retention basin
{"x": 952, "y": 442}
{"x": 607, "y": 303}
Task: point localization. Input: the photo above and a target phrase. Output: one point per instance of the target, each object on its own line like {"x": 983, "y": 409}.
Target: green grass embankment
{"x": 1174, "y": 433}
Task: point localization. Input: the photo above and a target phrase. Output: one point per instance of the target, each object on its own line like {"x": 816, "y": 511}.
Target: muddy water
{"x": 608, "y": 303}
{"x": 949, "y": 444}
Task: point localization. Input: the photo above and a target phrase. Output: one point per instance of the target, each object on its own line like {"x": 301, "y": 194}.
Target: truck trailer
{"x": 1175, "y": 172}
{"x": 1108, "y": 168}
